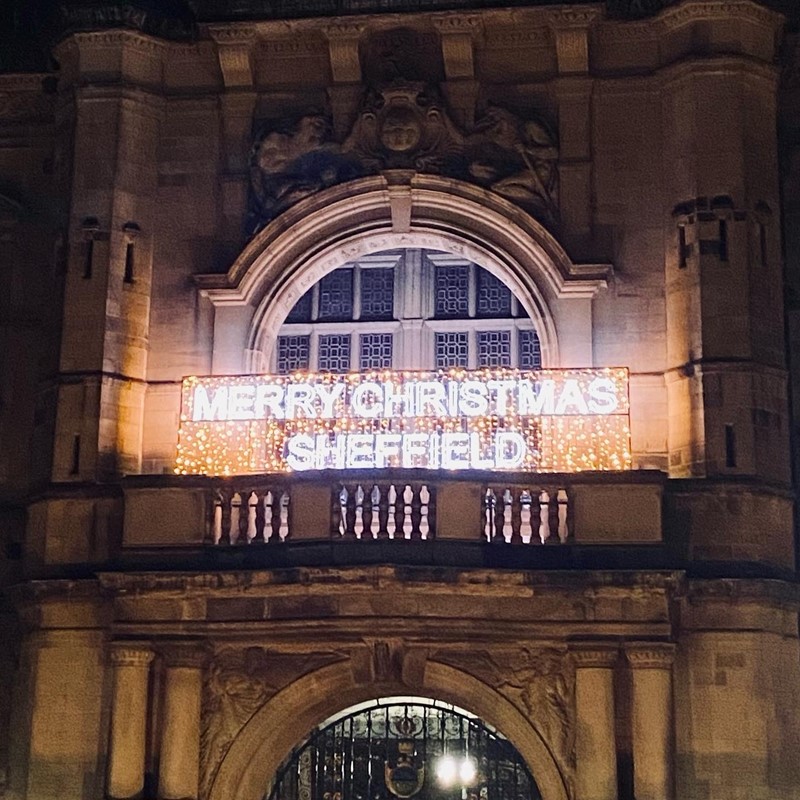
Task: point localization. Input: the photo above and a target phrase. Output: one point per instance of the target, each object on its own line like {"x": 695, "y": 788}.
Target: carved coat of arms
{"x": 405, "y": 125}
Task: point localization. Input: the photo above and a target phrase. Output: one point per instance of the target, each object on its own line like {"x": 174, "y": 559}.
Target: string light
{"x": 563, "y": 442}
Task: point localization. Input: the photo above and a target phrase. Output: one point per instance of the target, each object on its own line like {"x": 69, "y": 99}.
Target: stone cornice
{"x": 650, "y": 655}
{"x": 421, "y": 579}
{"x": 686, "y": 13}
{"x": 783, "y": 594}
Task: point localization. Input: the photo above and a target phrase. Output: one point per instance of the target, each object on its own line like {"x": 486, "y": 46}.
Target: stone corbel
{"x": 234, "y": 46}
{"x": 571, "y": 33}
{"x": 343, "y": 38}
{"x": 458, "y": 35}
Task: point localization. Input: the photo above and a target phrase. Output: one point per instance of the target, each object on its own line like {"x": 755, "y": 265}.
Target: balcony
{"x": 395, "y": 507}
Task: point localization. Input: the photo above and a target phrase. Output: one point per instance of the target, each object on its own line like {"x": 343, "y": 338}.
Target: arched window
{"x": 398, "y": 748}
{"x": 407, "y": 309}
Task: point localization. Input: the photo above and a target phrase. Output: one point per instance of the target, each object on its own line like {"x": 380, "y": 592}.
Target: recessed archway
{"x": 323, "y": 232}
{"x": 256, "y": 754}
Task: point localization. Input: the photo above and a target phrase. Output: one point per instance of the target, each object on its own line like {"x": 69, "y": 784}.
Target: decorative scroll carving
{"x": 406, "y": 126}
{"x": 238, "y": 682}
{"x": 539, "y": 682}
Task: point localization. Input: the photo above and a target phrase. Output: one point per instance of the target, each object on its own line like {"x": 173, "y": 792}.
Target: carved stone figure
{"x": 235, "y": 689}
{"x": 539, "y": 682}
{"x": 405, "y": 125}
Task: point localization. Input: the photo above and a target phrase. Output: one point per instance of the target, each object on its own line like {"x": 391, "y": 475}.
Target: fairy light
{"x": 567, "y": 420}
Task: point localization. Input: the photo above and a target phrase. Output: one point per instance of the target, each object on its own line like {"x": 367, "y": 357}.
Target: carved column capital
{"x": 130, "y": 654}
{"x": 594, "y": 656}
{"x": 343, "y": 38}
{"x": 650, "y": 655}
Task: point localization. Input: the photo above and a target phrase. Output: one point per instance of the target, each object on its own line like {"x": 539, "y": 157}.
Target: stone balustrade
{"x": 394, "y": 505}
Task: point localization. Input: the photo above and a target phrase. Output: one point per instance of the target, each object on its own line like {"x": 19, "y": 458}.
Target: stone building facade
{"x": 616, "y": 183}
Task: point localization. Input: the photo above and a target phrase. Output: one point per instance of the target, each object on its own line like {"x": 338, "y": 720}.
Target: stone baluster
{"x": 131, "y": 663}
{"x": 179, "y": 754}
{"x": 651, "y": 664}
{"x": 595, "y": 739}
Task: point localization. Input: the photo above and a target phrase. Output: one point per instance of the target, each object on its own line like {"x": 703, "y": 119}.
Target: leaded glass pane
{"x": 376, "y": 351}
{"x": 377, "y": 293}
{"x": 494, "y": 348}
{"x": 451, "y": 291}
{"x": 494, "y": 297}
{"x": 334, "y": 352}
{"x": 530, "y": 350}
{"x": 452, "y": 350}
{"x": 301, "y": 311}
{"x": 336, "y": 295}
{"x": 293, "y": 353}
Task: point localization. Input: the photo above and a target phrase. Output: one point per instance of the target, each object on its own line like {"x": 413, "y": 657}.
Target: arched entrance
{"x": 256, "y": 755}
{"x": 404, "y": 747}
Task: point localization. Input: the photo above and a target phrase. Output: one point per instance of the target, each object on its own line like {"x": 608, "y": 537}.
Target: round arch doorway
{"x": 403, "y": 747}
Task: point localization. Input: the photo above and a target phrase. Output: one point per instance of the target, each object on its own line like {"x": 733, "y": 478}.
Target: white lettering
{"x": 269, "y": 396}
{"x": 300, "y": 397}
{"x": 536, "y": 398}
{"x": 387, "y": 449}
{"x": 300, "y": 452}
{"x": 509, "y": 448}
{"x": 329, "y": 396}
{"x": 455, "y": 450}
{"x": 602, "y": 396}
{"x": 367, "y": 400}
{"x": 571, "y": 397}
{"x": 240, "y": 402}
{"x": 431, "y": 395}
{"x": 330, "y": 451}
{"x": 477, "y": 460}
{"x": 415, "y": 446}
{"x": 474, "y": 402}
{"x": 360, "y": 450}
{"x": 204, "y": 409}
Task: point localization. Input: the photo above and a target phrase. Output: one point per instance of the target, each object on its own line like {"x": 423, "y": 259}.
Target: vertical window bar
{"x": 682, "y": 250}
{"x": 723, "y": 240}
{"x": 88, "y": 261}
{"x": 76, "y": 455}
{"x": 129, "y": 263}
{"x": 762, "y": 243}
{"x": 730, "y": 446}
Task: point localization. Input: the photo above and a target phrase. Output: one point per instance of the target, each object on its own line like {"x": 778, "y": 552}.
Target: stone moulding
{"x": 338, "y": 225}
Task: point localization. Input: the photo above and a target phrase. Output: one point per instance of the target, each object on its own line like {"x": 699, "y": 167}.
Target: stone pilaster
{"x": 595, "y": 740}
{"x": 131, "y": 662}
{"x": 652, "y": 720}
{"x": 179, "y": 763}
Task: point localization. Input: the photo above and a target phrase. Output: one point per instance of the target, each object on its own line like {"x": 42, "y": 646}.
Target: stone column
{"x": 126, "y": 752}
{"x": 595, "y": 736}
{"x": 652, "y": 720}
{"x": 179, "y": 763}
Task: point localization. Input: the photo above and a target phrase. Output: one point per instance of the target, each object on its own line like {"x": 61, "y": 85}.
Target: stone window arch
{"x": 372, "y": 215}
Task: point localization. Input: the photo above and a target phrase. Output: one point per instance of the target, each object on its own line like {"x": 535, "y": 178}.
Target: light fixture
{"x": 447, "y": 771}
{"x": 467, "y": 771}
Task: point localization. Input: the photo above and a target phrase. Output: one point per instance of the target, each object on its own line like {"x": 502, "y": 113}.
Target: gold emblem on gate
{"x": 405, "y": 778}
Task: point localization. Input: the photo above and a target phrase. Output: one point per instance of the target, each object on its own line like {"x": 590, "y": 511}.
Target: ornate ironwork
{"x": 396, "y": 749}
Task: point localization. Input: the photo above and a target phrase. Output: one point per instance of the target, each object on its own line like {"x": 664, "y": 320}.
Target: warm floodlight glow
{"x": 467, "y": 771}
{"x": 493, "y": 419}
{"x": 446, "y": 771}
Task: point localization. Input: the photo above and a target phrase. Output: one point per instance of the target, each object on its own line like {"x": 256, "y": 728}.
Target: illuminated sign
{"x": 496, "y": 419}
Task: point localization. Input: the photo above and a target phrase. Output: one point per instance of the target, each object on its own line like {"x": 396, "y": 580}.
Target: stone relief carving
{"x": 541, "y": 683}
{"x": 406, "y": 126}
{"x": 238, "y": 682}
